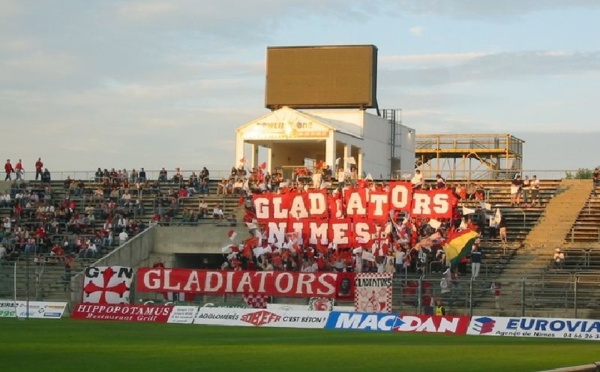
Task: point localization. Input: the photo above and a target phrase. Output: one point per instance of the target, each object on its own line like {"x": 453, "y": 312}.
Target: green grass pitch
{"x": 75, "y": 345}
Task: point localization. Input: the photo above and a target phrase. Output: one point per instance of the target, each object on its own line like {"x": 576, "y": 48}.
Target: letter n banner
{"x": 373, "y": 293}
{"x": 107, "y": 284}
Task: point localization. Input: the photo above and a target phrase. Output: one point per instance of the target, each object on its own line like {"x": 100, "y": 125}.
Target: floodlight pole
{"x": 471, "y": 296}
{"x": 27, "y": 284}
{"x": 15, "y": 285}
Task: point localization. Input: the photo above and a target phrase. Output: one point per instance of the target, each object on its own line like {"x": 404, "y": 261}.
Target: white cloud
{"x": 168, "y": 82}
{"x": 437, "y": 58}
{"x": 10, "y": 8}
{"x": 146, "y": 10}
{"x": 477, "y": 66}
{"x": 488, "y": 9}
{"x": 417, "y": 31}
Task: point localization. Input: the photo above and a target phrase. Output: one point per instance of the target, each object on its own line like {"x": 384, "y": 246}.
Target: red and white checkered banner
{"x": 373, "y": 293}
{"x": 256, "y": 301}
{"x": 320, "y": 304}
{"x": 107, "y": 284}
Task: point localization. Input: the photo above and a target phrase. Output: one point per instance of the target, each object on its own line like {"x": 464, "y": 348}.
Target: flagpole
{"x": 27, "y": 284}
{"x": 15, "y": 288}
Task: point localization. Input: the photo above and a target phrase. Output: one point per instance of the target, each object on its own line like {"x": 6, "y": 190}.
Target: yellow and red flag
{"x": 458, "y": 245}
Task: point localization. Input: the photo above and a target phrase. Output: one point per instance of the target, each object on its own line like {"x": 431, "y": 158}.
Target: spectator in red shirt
{"x": 38, "y": 168}
{"x": 19, "y": 170}
{"x": 8, "y": 168}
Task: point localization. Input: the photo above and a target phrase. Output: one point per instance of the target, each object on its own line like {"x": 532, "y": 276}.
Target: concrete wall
{"x": 284, "y": 154}
{"x": 134, "y": 253}
{"x": 376, "y": 147}
{"x": 205, "y": 238}
{"x": 165, "y": 242}
{"x": 407, "y": 145}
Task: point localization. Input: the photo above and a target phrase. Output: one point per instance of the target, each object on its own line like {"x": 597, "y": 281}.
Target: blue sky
{"x": 87, "y": 84}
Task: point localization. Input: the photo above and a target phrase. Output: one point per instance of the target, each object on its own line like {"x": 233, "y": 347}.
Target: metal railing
{"x": 573, "y": 234}
{"x": 556, "y": 294}
{"x": 152, "y": 174}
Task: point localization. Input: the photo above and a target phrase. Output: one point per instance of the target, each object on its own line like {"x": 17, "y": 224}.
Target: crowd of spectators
{"x": 88, "y": 218}
{"x": 412, "y": 244}
{"x": 50, "y": 225}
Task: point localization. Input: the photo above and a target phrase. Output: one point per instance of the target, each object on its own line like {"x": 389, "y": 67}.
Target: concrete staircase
{"x": 550, "y": 232}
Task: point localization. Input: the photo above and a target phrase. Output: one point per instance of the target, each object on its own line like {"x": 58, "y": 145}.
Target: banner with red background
{"x": 268, "y": 283}
{"x": 319, "y": 218}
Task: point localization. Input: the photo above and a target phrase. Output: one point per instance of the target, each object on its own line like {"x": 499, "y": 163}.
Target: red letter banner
{"x": 268, "y": 283}
{"x": 356, "y": 203}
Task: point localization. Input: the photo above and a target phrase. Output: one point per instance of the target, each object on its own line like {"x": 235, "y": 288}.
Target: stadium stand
{"x": 586, "y": 228}
{"x": 501, "y": 261}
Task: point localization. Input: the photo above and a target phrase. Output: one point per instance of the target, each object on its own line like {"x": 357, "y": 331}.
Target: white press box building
{"x": 377, "y": 145}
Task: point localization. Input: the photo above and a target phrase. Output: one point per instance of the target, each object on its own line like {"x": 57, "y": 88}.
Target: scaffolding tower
{"x": 469, "y": 156}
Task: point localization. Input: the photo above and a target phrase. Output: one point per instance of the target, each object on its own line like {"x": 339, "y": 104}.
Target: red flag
{"x": 321, "y": 248}
{"x": 250, "y": 215}
{"x": 249, "y": 244}
{"x": 346, "y": 255}
{"x": 231, "y": 234}
{"x": 276, "y": 260}
{"x": 380, "y": 249}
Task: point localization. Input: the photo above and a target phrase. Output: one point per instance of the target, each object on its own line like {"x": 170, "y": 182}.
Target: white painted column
{"x": 330, "y": 150}
{"x": 254, "y": 156}
{"x": 359, "y": 164}
{"x": 269, "y": 160}
{"x": 347, "y": 152}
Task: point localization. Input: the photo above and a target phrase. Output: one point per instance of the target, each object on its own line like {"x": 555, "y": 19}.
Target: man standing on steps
{"x": 38, "y": 168}
{"x": 19, "y": 170}
{"x": 8, "y": 168}
{"x": 525, "y": 189}
{"x": 475, "y": 259}
{"x": 534, "y": 186}
{"x": 502, "y": 230}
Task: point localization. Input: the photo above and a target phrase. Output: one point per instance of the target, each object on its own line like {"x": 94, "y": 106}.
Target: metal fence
{"x": 556, "y": 294}
{"x": 574, "y": 295}
{"x": 152, "y": 174}
{"x": 27, "y": 279}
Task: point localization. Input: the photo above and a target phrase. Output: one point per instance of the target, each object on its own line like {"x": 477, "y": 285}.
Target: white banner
{"x": 261, "y": 318}
{"x": 35, "y": 309}
{"x": 183, "y": 314}
{"x": 8, "y": 309}
{"x": 107, "y": 284}
{"x": 286, "y": 307}
{"x": 581, "y": 329}
{"x": 373, "y": 293}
